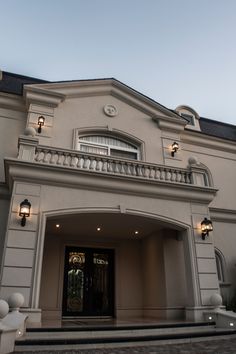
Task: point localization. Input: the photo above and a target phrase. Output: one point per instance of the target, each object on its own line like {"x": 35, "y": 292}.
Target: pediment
{"x": 52, "y": 94}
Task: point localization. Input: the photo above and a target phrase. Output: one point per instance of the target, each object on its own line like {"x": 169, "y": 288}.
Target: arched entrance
{"x": 114, "y": 264}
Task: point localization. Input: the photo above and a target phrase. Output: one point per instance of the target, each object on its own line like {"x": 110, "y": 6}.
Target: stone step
{"x": 67, "y": 338}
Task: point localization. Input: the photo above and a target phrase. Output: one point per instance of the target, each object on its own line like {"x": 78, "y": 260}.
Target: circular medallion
{"x": 110, "y": 110}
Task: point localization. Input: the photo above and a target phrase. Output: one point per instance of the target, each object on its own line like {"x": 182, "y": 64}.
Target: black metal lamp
{"x": 174, "y": 148}
{"x": 24, "y": 211}
{"x": 41, "y": 121}
{"x": 206, "y": 226}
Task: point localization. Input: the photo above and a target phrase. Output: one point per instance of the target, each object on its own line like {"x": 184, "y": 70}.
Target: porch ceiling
{"x": 112, "y": 226}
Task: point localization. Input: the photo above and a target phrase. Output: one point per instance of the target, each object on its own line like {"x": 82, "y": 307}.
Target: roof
{"x": 217, "y": 129}
{"x": 13, "y": 83}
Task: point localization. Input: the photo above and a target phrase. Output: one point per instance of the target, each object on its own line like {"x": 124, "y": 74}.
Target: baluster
{"x": 87, "y": 162}
{"x": 80, "y": 163}
{"x": 104, "y": 165}
{"x": 128, "y": 171}
{"x": 134, "y": 171}
{"x": 122, "y": 168}
{"x": 73, "y": 160}
{"x": 38, "y": 155}
{"x": 52, "y": 157}
{"x": 92, "y": 165}
{"x": 98, "y": 164}
{"x": 139, "y": 170}
{"x": 66, "y": 158}
{"x": 152, "y": 172}
{"x": 146, "y": 172}
{"x": 172, "y": 175}
{"x": 157, "y": 173}
{"x": 45, "y": 156}
{"x": 162, "y": 173}
{"x": 182, "y": 177}
{"x": 110, "y": 166}
{"x": 117, "y": 167}
{"x": 60, "y": 158}
{"x": 168, "y": 175}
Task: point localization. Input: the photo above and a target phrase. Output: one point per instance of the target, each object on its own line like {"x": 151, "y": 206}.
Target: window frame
{"x": 109, "y": 147}
{"x": 220, "y": 266}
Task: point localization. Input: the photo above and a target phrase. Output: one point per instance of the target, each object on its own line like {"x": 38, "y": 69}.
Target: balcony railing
{"x": 113, "y": 166}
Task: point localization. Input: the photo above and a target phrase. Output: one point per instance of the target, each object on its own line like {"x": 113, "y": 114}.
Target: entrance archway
{"x": 150, "y": 274}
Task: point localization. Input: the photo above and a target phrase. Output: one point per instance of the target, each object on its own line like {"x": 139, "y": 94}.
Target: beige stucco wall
{"x": 224, "y": 240}
{"x": 80, "y": 113}
{"x": 24, "y": 247}
{"x": 12, "y": 124}
{"x": 4, "y": 210}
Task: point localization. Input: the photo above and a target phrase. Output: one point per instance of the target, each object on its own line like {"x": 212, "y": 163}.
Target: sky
{"x": 174, "y": 51}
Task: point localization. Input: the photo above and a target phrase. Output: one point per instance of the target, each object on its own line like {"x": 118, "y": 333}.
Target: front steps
{"x": 106, "y": 335}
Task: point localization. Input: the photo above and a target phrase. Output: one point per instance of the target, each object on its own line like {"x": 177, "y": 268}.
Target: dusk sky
{"x": 174, "y": 51}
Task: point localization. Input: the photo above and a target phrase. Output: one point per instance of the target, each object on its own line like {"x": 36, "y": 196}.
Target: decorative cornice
{"x": 224, "y": 215}
{"x": 38, "y": 95}
{"x": 208, "y": 141}
{"x": 173, "y": 124}
{"x": 13, "y": 102}
{"x": 88, "y": 88}
{"x": 68, "y": 177}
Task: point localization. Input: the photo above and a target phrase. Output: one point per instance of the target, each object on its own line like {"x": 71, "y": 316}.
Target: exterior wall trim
{"x": 207, "y": 141}
{"x": 64, "y": 176}
{"x": 192, "y": 279}
{"x": 223, "y": 215}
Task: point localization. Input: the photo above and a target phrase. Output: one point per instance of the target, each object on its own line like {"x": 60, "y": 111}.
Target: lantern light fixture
{"x": 206, "y": 226}
{"x": 24, "y": 211}
{"x": 174, "y": 148}
{"x": 41, "y": 121}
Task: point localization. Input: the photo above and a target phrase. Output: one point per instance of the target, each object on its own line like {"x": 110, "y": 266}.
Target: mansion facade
{"x": 112, "y": 205}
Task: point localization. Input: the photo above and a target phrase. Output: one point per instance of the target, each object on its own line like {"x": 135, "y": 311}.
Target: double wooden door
{"x": 88, "y": 282}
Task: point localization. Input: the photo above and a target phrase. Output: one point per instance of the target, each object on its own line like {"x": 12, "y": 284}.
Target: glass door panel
{"x": 75, "y": 281}
{"x": 100, "y": 298}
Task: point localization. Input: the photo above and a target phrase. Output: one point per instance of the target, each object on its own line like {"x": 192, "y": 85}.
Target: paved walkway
{"x": 213, "y": 346}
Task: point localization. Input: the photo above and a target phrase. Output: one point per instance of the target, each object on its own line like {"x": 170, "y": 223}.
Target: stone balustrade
{"x": 109, "y": 165}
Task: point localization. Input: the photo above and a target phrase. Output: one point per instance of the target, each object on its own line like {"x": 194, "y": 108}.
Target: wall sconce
{"x": 206, "y": 226}
{"x": 174, "y": 148}
{"x": 24, "y": 211}
{"x": 41, "y": 121}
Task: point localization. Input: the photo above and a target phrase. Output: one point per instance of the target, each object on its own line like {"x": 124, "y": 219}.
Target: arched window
{"x": 108, "y": 145}
{"x": 220, "y": 266}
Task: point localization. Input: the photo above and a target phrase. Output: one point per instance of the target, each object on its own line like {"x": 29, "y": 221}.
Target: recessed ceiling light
{"x": 136, "y": 232}
{"x": 57, "y": 225}
{"x": 98, "y": 228}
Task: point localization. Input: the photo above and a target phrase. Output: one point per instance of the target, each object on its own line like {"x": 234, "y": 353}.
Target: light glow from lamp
{"x": 174, "y": 148}
{"x": 24, "y": 211}
{"x": 206, "y": 226}
{"x": 41, "y": 121}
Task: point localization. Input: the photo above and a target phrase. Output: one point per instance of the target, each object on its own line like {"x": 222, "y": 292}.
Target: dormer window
{"x": 107, "y": 145}
{"x": 190, "y": 115}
